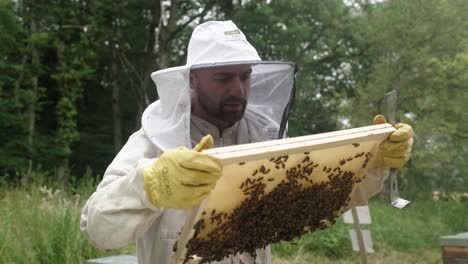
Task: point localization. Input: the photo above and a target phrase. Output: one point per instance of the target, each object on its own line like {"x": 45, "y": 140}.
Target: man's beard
{"x": 219, "y": 111}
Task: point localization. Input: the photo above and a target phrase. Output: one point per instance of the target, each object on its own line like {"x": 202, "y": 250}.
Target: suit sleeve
{"x": 118, "y": 212}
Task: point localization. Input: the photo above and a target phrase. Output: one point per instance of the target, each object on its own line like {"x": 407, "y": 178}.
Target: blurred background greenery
{"x": 75, "y": 79}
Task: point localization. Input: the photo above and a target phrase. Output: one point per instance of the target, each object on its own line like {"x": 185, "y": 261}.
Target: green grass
{"x": 39, "y": 224}
{"x": 410, "y": 235}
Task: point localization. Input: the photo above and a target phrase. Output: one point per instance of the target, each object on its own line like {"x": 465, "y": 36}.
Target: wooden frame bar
{"x": 266, "y": 149}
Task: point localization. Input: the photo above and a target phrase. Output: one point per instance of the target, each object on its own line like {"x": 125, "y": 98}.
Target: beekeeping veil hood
{"x": 212, "y": 44}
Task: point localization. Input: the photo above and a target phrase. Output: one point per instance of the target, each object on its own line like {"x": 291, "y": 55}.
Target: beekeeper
{"x": 224, "y": 95}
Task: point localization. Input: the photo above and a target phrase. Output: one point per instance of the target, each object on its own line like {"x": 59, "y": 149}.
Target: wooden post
{"x": 359, "y": 237}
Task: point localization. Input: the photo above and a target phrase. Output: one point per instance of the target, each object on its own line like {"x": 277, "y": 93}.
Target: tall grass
{"x": 40, "y": 224}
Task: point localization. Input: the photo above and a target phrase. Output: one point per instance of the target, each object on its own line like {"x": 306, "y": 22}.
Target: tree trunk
{"x": 116, "y": 113}
{"x": 62, "y": 173}
{"x": 31, "y": 110}
{"x": 150, "y": 63}
{"x": 34, "y": 82}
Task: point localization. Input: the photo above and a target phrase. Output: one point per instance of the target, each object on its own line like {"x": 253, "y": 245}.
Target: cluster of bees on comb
{"x": 295, "y": 206}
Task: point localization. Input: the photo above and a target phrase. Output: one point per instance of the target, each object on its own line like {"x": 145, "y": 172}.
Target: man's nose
{"x": 238, "y": 87}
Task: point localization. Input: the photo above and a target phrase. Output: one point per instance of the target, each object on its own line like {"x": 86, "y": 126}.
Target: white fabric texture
{"x": 219, "y": 42}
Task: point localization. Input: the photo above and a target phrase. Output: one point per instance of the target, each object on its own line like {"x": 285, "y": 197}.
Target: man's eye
{"x": 245, "y": 77}
{"x": 224, "y": 79}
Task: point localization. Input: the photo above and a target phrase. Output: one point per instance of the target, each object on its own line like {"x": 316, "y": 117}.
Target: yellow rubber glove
{"x": 396, "y": 150}
{"x": 181, "y": 178}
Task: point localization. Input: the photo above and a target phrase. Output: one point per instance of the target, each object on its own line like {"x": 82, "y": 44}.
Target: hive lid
{"x": 458, "y": 240}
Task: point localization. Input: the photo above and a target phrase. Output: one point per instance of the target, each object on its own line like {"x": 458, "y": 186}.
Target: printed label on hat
{"x": 233, "y": 35}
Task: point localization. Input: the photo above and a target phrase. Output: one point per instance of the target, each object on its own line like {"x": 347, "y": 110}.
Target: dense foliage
{"x": 75, "y": 74}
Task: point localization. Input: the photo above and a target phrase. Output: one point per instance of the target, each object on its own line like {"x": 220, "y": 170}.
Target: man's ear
{"x": 193, "y": 81}
{"x": 193, "y": 89}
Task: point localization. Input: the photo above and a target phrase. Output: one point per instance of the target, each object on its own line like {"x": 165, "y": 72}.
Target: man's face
{"x": 220, "y": 93}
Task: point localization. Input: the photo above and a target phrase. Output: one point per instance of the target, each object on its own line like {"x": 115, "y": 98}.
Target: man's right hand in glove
{"x": 181, "y": 177}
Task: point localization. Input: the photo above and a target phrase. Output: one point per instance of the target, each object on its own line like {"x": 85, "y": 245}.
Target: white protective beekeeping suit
{"x": 119, "y": 212}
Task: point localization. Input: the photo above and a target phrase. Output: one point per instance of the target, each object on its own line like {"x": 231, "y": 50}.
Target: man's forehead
{"x": 227, "y": 69}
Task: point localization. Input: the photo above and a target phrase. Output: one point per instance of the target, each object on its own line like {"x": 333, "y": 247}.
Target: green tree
{"x": 417, "y": 48}
{"x": 316, "y": 35}
{"x": 13, "y": 129}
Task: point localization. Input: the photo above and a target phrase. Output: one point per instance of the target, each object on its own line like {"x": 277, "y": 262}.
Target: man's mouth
{"x": 234, "y": 105}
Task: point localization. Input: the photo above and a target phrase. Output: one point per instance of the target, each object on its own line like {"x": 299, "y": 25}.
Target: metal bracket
{"x": 395, "y": 200}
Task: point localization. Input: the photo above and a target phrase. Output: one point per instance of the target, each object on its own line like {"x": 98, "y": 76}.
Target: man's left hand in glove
{"x": 396, "y": 150}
